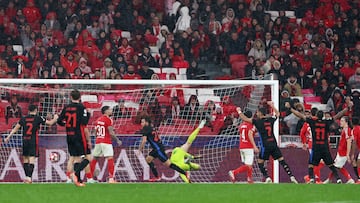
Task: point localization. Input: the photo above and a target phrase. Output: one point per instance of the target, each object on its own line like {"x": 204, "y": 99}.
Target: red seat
{"x": 164, "y": 100}
{"x": 2, "y": 48}
{"x": 307, "y": 91}
{"x": 237, "y": 58}
{"x": 316, "y": 99}
{"x": 238, "y": 69}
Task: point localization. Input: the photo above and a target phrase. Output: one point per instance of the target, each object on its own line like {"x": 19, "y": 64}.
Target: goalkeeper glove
{"x": 202, "y": 124}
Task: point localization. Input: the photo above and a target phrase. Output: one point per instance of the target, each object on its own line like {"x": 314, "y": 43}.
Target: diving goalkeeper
{"x": 180, "y": 155}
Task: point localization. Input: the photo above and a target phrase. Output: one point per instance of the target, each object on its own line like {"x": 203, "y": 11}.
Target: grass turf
{"x": 184, "y": 193}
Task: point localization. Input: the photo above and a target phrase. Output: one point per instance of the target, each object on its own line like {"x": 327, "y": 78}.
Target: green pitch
{"x": 184, "y": 193}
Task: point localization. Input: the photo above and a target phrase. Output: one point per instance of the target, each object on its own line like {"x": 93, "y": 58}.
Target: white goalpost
{"x": 214, "y": 100}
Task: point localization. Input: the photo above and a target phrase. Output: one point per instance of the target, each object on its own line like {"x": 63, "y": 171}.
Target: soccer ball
{"x": 54, "y": 157}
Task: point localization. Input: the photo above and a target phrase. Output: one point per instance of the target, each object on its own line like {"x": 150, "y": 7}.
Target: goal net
{"x": 176, "y": 107}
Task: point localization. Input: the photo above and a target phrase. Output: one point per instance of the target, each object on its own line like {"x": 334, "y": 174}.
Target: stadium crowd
{"x": 307, "y": 45}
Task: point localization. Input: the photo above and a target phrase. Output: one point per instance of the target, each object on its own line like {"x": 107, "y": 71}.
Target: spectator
{"x": 194, "y": 72}
{"x": 292, "y": 86}
{"x": 164, "y": 60}
{"x": 164, "y": 117}
{"x": 191, "y": 109}
{"x": 236, "y": 45}
{"x": 13, "y": 110}
{"x": 120, "y": 63}
{"x": 183, "y": 22}
{"x": 258, "y": 50}
{"x": 126, "y": 50}
{"x": 121, "y": 111}
{"x": 335, "y": 102}
{"x": 131, "y": 74}
{"x": 323, "y": 90}
{"x": 83, "y": 66}
{"x": 354, "y": 80}
{"x": 228, "y": 127}
{"x": 145, "y": 72}
{"x": 147, "y": 59}
{"x": 176, "y": 108}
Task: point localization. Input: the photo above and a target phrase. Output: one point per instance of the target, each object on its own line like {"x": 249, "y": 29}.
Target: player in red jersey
{"x": 344, "y": 148}
{"x": 356, "y": 135}
{"x": 306, "y": 140}
{"x": 247, "y": 148}
{"x": 103, "y": 146}
{"x": 31, "y": 125}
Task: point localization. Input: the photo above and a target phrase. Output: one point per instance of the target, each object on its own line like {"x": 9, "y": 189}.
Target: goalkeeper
{"x": 180, "y": 155}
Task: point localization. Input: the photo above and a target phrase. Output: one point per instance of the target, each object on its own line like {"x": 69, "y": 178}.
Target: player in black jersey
{"x": 75, "y": 117}
{"x": 30, "y": 125}
{"x": 269, "y": 147}
{"x": 320, "y": 140}
{"x": 158, "y": 151}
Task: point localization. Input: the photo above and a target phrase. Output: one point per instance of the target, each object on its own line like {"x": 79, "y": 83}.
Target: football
{"x": 54, "y": 157}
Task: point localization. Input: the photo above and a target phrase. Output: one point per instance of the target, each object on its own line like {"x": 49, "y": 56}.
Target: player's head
{"x": 355, "y": 120}
{"x": 320, "y": 115}
{"x": 75, "y": 95}
{"x": 345, "y": 122}
{"x": 261, "y": 112}
{"x": 248, "y": 114}
{"x": 106, "y": 110}
{"x": 32, "y": 108}
{"x": 145, "y": 121}
{"x": 314, "y": 111}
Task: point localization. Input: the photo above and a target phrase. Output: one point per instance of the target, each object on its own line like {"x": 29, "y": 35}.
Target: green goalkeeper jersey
{"x": 178, "y": 155}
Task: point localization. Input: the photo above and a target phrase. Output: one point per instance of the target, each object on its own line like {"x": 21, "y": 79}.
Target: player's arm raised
{"x": 13, "y": 131}
{"x": 276, "y": 111}
{"x": 113, "y": 136}
{"x": 342, "y": 112}
{"x": 242, "y": 116}
{"x": 295, "y": 112}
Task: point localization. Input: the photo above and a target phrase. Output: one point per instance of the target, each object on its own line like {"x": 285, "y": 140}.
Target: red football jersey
{"x": 356, "y": 135}
{"x": 345, "y": 135}
{"x": 245, "y": 129}
{"x": 102, "y": 131}
{"x": 306, "y": 135}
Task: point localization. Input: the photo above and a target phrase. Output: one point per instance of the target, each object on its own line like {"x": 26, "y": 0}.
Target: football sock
{"x": 311, "y": 172}
{"x": 31, "y": 169}
{"x": 26, "y": 169}
{"x": 177, "y": 168}
{"x": 334, "y": 171}
{"x": 193, "y": 135}
{"x": 194, "y": 166}
{"x": 345, "y": 173}
{"x": 286, "y": 167}
{"x": 92, "y": 165}
{"x": 153, "y": 169}
{"x": 241, "y": 169}
{"x": 249, "y": 171}
{"x": 76, "y": 170}
{"x": 317, "y": 169}
{"x": 356, "y": 171}
{"x": 89, "y": 175}
{"x": 68, "y": 174}
{"x": 263, "y": 170}
{"x": 111, "y": 168}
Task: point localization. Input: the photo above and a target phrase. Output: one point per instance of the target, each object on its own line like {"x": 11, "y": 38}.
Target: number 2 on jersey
{"x": 29, "y": 128}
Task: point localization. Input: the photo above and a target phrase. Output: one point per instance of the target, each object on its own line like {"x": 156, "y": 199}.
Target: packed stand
{"x": 311, "y": 47}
